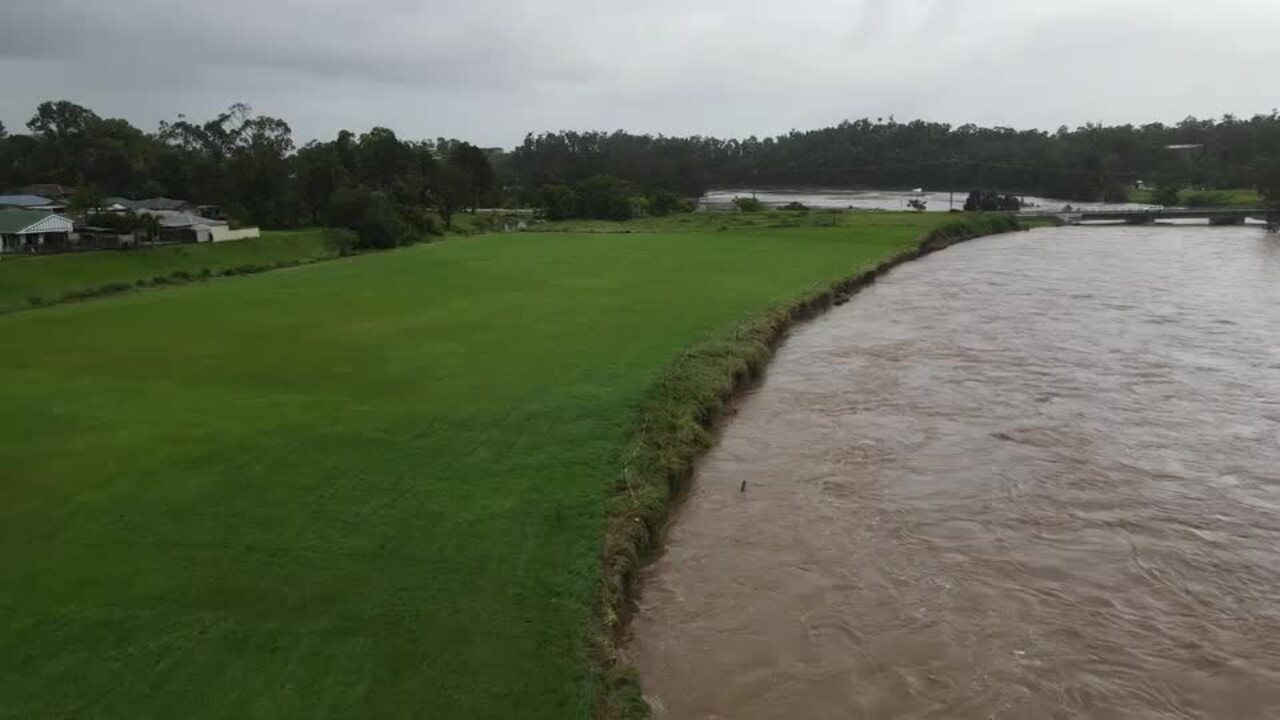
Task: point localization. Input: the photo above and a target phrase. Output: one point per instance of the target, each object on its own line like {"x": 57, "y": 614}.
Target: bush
{"x": 748, "y": 204}
{"x": 341, "y": 241}
{"x": 663, "y": 203}
{"x": 372, "y": 215}
{"x": 1166, "y": 195}
{"x": 558, "y": 201}
{"x": 422, "y": 222}
{"x": 795, "y": 206}
{"x": 991, "y": 202}
{"x": 640, "y": 206}
{"x": 1209, "y": 198}
{"x": 604, "y": 197}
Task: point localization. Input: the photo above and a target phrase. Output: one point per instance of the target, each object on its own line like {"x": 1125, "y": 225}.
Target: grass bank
{"x": 1242, "y": 197}
{"x": 27, "y": 281}
{"x": 375, "y": 488}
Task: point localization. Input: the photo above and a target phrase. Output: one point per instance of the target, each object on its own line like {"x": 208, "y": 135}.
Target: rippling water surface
{"x": 836, "y": 198}
{"x": 1033, "y": 476}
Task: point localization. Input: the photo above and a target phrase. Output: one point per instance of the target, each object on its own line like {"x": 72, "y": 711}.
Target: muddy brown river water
{"x": 1032, "y": 476}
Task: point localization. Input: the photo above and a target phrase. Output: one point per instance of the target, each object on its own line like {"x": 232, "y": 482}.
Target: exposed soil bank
{"x": 674, "y": 426}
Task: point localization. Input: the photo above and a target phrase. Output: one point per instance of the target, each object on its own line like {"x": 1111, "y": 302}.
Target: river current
{"x": 1034, "y": 475}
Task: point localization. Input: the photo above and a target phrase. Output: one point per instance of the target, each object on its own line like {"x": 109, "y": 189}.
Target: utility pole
{"x": 951, "y": 185}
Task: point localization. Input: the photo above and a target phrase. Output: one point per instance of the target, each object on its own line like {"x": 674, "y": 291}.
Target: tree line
{"x": 391, "y": 190}
{"x": 387, "y": 189}
{"x": 1093, "y": 162}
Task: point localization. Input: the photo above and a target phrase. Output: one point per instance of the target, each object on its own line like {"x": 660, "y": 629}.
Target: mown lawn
{"x": 25, "y": 280}
{"x": 367, "y": 488}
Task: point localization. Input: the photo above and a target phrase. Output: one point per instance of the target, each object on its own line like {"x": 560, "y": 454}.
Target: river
{"x": 1032, "y": 476}
{"x": 847, "y": 199}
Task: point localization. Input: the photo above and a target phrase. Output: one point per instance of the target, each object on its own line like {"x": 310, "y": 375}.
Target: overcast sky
{"x": 492, "y": 70}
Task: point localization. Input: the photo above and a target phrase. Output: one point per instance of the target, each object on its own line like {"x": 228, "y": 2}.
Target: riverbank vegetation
{"x": 1236, "y": 197}
{"x": 373, "y": 486}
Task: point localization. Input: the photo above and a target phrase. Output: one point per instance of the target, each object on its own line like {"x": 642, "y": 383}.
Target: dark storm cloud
{"x": 494, "y": 69}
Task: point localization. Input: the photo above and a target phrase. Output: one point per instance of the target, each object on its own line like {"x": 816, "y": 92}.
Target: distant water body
{"x": 935, "y": 201}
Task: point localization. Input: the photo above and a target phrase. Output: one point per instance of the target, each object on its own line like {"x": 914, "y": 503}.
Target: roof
{"x": 23, "y": 200}
{"x": 170, "y": 219}
{"x": 13, "y": 222}
{"x": 156, "y": 203}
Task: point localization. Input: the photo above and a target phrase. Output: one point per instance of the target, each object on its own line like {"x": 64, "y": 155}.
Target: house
{"x": 162, "y": 203}
{"x": 32, "y": 231}
{"x": 23, "y": 201}
{"x": 188, "y": 228}
{"x": 116, "y": 204}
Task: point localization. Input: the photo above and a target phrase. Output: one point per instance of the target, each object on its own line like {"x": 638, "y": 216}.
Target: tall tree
{"x": 472, "y": 162}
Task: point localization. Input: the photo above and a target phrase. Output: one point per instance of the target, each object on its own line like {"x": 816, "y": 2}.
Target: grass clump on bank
{"x": 47, "y": 279}
{"x": 375, "y": 488}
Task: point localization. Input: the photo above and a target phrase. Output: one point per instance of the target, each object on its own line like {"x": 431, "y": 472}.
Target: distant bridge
{"x": 1215, "y": 216}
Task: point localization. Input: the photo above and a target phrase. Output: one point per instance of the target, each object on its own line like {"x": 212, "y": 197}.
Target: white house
{"x": 22, "y": 230}
{"x": 185, "y": 227}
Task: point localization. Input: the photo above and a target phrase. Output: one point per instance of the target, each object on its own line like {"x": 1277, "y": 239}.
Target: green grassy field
{"x": 50, "y": 277}
{"x": 366, "y": 488}
{"x": 1244, "y": 197}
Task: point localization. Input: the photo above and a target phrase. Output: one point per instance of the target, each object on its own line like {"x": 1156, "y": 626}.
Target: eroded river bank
{"x": 1033, "y": 476}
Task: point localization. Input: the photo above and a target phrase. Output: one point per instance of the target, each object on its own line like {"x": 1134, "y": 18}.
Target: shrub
{"x": 748, "y": 204}
{"x": 991, "y": 202}
{"x": 639, "y": 206}
{"x": 558, "y": 202}
{"x": 1209, "y": 198}
{"x": 1166, "y": 195}
{"x": 663, "y": 203}
{"x": 604, "y": 197}
{"x": 420, "y": 221}
{"x": 372, "y": 215}
{"x": 795, "y": 206}
{"x": 341, "y": 241}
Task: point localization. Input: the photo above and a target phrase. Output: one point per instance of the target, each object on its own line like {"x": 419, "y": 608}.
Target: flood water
{"x": 1032, "y": 476}
{"x": 842, "y": 199}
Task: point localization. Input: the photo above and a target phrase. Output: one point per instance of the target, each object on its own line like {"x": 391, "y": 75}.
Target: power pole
{"x": 951, "y": 184}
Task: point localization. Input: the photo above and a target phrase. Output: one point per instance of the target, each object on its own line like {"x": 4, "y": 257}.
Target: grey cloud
{"x": 493, "y": 69}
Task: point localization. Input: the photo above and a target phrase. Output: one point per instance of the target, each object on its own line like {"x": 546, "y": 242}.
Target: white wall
{"x": 222, "y": 233}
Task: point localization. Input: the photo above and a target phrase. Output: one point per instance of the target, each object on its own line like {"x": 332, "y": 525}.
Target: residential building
{"x": 189, "y": 228}
{"x": 32, "y": 231}
{"x": 24, "y": 201}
